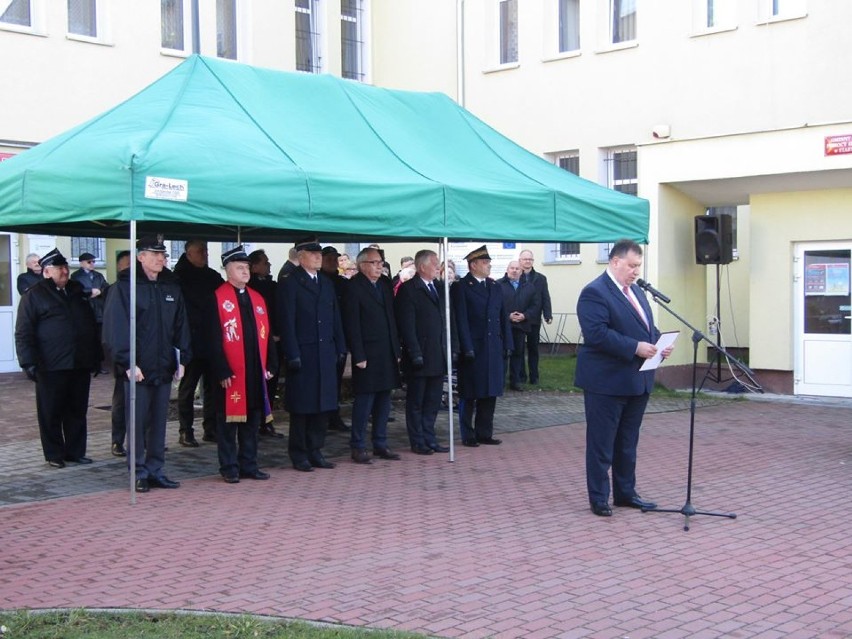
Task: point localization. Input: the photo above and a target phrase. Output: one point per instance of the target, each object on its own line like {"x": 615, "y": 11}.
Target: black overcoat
{"x": 370, "y": 327}
{"x": 310, "y": 330}
{"x": 422, "y": 325}
{"x": 483, "y": 328}
{"x": 525, "y": 299}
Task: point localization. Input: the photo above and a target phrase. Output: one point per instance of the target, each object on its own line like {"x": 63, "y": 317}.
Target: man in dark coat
{"x": 242, "y": 352}
{"x": 370, "y": 328}
{"x": 485, "y": 338}
{"x": 420, "y": 318}
{"x": 618, "y": 336}
{"x": 522, "y": 302}
{"x": 261, "y": 281}
{"x": 117, "y": 410}
{"x": 197, "y": 283}
{"x": 162, "y": 349}
{"x": 57, "y": 347}
{"x": 313, "y": 342}
{"x": 95, "y": 286}
{"x": 539, "y": 282}
{"x": 31, "y": 276}
{"x": 329, "y": 269}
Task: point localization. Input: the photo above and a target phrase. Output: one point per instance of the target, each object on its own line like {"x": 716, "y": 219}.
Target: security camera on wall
{"x": 661, "y": 131}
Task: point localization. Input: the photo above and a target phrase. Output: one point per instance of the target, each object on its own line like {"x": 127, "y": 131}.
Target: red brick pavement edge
{"x": 500, "y": 543}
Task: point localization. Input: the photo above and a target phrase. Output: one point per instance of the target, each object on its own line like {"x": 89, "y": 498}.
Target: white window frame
{"x": 362, "y": 28}
{"x": 37, "y": 24}
{"x": 186, "y": 27}
{"x": 609, "y": 157}
{"x": 103, "y": 32}
{"x": 613, "y": 5}
{"x": 504, "y": 48}
{"x": 94, "y": 245}
{"x": 318, "y": 57}
{"x": 781, "y": 10}
{"x": 559, "y": 29}
{"x": 713, "y": 16}
{"x": 555, "y": 252}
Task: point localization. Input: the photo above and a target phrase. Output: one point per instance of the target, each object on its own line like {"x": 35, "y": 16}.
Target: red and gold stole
{"x": 230, "y": 321}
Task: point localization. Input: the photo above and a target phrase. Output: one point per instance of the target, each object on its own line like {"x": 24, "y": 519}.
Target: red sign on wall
{"x": 6, "y": 156}
{"x": 838, "y": 144}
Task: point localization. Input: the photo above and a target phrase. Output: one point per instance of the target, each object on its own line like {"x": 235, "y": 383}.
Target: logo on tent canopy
{"x": 159, "y": 188}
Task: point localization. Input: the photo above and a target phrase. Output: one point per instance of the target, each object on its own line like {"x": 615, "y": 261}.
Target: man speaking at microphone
{"x": 618, "y": 336}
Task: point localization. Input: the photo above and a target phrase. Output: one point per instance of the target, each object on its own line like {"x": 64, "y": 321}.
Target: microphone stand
{"x": 688, "y": 510}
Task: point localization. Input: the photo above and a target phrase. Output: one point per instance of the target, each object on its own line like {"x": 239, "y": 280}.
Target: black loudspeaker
{"x": 714, "y": 239}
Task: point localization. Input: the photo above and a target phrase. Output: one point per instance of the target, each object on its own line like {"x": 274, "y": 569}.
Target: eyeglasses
{"x": 372, "y": 262}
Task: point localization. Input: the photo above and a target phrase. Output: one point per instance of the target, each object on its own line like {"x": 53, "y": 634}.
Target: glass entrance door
{"x": 823, "y": 354}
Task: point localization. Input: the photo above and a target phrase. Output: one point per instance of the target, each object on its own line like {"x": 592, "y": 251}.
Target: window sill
{"x": 174, "y": 53}
{"x": 564, "y": 262}
{"x": 620, "y": 46}
{"x": 503, "y": 67}
{"x": 20, "y": 28}
{"x": 712, "y": 31}
{"x": 88, "y": 39}
{"x": 564, "y": 55}
{"x": 776, "y": 19}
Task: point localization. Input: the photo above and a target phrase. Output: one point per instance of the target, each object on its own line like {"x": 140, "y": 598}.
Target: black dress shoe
{"x": 188, "y": 440}
{"x": 517, "y": 387}
{"x": 231, "y": 479}
{"x": 142, "y": 486}
{"x": 163, "y": 482}
{"x": 268, "y": 430}
{"x": 385, "y": 453}
{"x": 322, "y": 462}
{"x": 208, "y": 437}
{"x": 258, "y": 474}
{"x": 601, "y": 509}
{"x": 470, "y": 443}
{"x": 489, "y": 441}
{"x": 79, "y": 460}
{"x": 635, "y": 502}
{"x": 440, "y": 449}
{"x": 118, "y": 450}
{"x": 303, "y": 466}
{"x": 361, "y": 456}
{"x": 337, "y": 423}
{"x": 56, "y": 463}
{"x": 421, "y": 450}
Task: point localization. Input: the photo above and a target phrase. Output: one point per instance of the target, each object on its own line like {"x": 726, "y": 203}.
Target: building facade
{"x": 699, "y": 106}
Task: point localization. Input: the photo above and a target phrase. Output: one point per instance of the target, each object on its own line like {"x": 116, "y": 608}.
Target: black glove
{"x": 294, "y": 364}
{"x": 30, "y": 372}
{"x": 508, "y": 353}
{"x": 417, "y": 362}
{"x": 469, "y": 355}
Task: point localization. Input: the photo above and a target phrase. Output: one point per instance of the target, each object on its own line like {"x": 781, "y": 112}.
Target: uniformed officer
{"x": 57, "y": 346}
{"x": 313, "y": 343}
{"x": 484, "y": 335}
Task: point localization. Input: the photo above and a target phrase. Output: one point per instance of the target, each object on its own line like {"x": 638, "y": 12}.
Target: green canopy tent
{"x": 215, "y": 145}
{"x": 222, "y": 150}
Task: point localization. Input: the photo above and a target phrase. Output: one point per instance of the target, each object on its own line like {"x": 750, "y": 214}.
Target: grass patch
{"x": 82, "y": 624}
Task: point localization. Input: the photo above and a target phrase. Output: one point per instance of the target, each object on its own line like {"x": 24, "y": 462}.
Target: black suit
{"x": 421, "y": 319}
{"x": 370, "y": 328}
{"x": 527, "y": 300}
{"x": 615, "y": 392}
{"x": 539, "y": 282}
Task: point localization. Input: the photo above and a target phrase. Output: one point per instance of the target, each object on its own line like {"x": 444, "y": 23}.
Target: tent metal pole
{"x": 449, "y": 351}
{"x": 131, "y": 400}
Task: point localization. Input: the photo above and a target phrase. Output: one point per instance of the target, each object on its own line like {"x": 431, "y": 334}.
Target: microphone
{"x": 644, "y": 285}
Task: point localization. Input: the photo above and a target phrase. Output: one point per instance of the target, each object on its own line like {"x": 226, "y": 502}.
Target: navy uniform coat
{"x": 310, "y": 330}
{"x": 483, "y": 327}
{"x": 422, "y": 325}
{"x": 607, "y": 363}
{"x": 370, "y": 327}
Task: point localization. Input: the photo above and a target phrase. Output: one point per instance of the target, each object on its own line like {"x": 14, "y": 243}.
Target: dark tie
{"x": 377, "y": 291}
{"x": 432, "y": 291}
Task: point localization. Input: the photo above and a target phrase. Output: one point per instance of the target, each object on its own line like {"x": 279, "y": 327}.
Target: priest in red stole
{"x": 242, "y": 354}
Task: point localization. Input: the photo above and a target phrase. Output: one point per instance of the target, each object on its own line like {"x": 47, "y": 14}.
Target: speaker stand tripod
{"x": 688, "y": 510}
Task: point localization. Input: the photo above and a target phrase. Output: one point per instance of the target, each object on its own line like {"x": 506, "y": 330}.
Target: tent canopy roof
{"x": 214, "y": 148}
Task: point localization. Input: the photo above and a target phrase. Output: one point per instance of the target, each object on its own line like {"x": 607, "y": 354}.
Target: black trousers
{"x": 533, "y": 338}
{"x": 119, "y": 426}
{"x": 483, "y": 425}
{"x": 152, "y": 406}
{"x": 307, "y": 436}
{"x": 196, "y": 370}
{"x": 422, "y": 402}
{"x": 237, "y": 443}
{"x": 516, "y": 361}
{"x": 612, "y": 435}
{"x": 62, "y": 400}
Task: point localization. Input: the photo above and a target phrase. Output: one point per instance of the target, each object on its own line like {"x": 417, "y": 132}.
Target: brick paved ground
{"x": 499, "y": 543}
